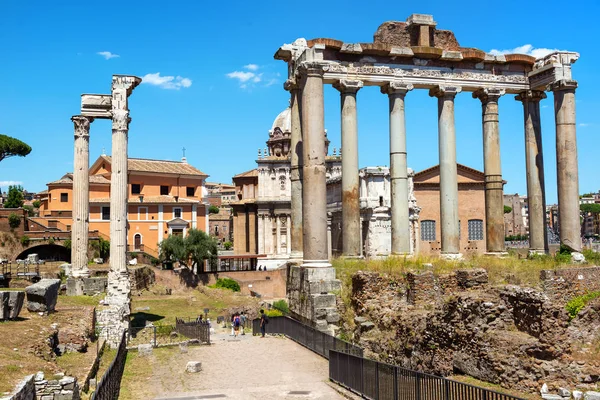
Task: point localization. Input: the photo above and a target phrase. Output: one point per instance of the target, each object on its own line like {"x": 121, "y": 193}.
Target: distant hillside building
{"x": 516, "y": 221}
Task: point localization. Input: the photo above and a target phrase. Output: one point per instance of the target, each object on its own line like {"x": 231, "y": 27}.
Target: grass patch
{"x": 75, "y": 301}
{"x": 77, "y": 364}
{"x": 137, "y": 373}
{"x": 577, "y": 303}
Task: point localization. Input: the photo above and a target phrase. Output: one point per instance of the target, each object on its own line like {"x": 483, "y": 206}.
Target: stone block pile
{"x": 42, "y": 296}
{"x": 60, "y": 387}
{"x": 11, "y": 303}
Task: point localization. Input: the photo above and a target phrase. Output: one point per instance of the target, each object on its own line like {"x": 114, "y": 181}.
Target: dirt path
{"x": 245, "y": 368}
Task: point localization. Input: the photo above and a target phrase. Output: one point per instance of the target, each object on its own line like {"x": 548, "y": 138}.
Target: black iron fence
{"x": 315, "y": 340}
{"x": 110, "y": 384}
{"x": 380, "y": 381}
{"x": 194, "y": 329}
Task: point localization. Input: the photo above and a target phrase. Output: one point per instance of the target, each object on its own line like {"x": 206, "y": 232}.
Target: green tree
{"x": 228, "y": 245}
{"x": 507, "y": 209}
{"x": 104, "y": 248}
{"x": 29, "y": 209}
{"x": 10, "y": 147}
{"x": 14, "y": 199}
{"x": 37, "y": 204}
{"x": 196, "y": 247}
{"x": 592, "y": 208}
{"x": 14, "y": 220}
{"x": 213, "y": 210}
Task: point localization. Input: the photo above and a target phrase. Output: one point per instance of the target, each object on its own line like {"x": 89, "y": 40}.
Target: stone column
{"x": 261, "y": 234}
{"x": 494, "y": 198}
{"x": 350, "y": 181}
{"x": 288, "y": 234}
{"x": 278, "y": 233}
{"x": 314, "y": 195}
{"x": 534, "y": 166}
{"x": 81, "y": 200}
{"x": 296, "y": 170}
{"x": 398, "y": 167}
{"x": 118, "y": 287}
{"x": 448, "y": 172}
{"x": 566, "y": 164}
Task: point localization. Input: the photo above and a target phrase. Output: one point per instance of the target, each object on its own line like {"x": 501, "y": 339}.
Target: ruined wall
{"x": 141, "y": 278}
{"x": 25, "y": 390}
{"x": 513, "y": 336}
{"x": 564, "y": 284}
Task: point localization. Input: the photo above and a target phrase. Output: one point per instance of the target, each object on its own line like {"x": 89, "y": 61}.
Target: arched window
{"x": 475, "y": 229}
{"x": 428, "y": 230}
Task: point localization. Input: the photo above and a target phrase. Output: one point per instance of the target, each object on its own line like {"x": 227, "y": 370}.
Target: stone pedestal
{"x": 111, "y": 321}
{"x": 312, "y": 296}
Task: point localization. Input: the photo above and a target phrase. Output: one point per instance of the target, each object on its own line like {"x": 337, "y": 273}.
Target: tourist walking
{"x": 264, "y": 320}
{"x": 243, "y": 320}
{"x": 236, "y": 324}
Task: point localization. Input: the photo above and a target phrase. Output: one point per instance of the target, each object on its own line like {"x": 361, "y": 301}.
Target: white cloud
{"x": 10, "y": 183}
{"x": 525, "y": 49}
{"x": 107, "y": 55}
{"x": 249, "y": 79}
{"x": 584, "y": 125}
{"x": 167, "y": 82}
{"x": 241, "y": 75}
{"x": 251, "y": 67}
{"x": 272, "y": 82}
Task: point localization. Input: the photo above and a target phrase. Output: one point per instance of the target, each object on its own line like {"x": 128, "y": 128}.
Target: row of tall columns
{"x": 81, "y": 200}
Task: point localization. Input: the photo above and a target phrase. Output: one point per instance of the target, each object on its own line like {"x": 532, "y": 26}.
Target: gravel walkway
{"x": 248, "y": 367}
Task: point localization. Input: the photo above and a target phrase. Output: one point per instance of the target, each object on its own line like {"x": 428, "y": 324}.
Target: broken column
{"x": 81, "y": 205}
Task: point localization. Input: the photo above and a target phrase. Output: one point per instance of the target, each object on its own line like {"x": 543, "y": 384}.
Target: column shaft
{"x": 398, "y": 168}
{"x": 314, "y": 195}
{"x": 350, "y": 179}
{"x": 566, "y": 164}
{"x": 81, "y": 199}
{"x": 296, "y": 174}
{"x": 534, "y": 166}
{"x": 448, "y": 171}
{"x": 288, "y": 235}
{"x": 494, "y": 197}
{"x": 261, "y": 234}
{"x": 278, "y": 249}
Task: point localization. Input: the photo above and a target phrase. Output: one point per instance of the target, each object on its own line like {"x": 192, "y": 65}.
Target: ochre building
{"x": 165, "y": 198}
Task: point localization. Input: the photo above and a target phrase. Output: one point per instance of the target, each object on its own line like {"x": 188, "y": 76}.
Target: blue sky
{"x": 213, "y": 87}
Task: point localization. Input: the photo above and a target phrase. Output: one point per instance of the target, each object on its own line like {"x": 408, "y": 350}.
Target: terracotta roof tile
{"x": 160, "y": 166}
{"x": 149, "y": 200}
{"x": 248, "y": 174}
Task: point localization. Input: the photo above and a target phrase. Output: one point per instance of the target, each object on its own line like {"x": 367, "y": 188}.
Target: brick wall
{"x": 564, "y": 284}
{"x": 5, "y": 227}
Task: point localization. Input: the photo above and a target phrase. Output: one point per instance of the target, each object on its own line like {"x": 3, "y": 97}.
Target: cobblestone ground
{"x": 248, "y": 367}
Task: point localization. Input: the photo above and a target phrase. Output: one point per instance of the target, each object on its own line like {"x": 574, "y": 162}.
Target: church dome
{"x": 283, "y": 121}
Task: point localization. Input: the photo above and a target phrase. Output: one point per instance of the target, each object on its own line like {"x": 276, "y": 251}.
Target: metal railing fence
{"x": 193, "y": 329}
{"x": 110, "y": 384}
{"x": 379, "y": 381}
{"x": 309, "y": 337}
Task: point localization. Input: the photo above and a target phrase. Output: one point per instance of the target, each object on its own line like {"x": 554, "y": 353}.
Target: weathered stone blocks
{"x": 193, "y": 367}
{"x": 42, "y": 296}
{"x": 468, "y": 278}
{"x": 11, "y": 304}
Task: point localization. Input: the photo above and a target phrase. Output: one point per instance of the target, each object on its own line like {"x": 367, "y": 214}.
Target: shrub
{"x": 29, "y": 209}
{"x": 25, "y": 240}
{"x": 67, "y": 243}
{"x": 273, "y": 313}
{"x": 227, "y": 283}
{"x": 14, "y": 220}
{"x": 282, "y": 306}
{"x": 213, "y": 210}
{"x": 51, "y": 241}
{"x": 507, "y": 209}
{"x": 37, "y": 204}
{"x": 228, "y": 245}
{"x": 577, "y": 303}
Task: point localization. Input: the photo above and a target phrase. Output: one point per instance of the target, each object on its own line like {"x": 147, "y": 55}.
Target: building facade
{"x": 164, "y": 198}
{"x": 515, "y": 221}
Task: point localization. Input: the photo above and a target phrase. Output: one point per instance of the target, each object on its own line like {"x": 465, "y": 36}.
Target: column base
{"x": 316, "y": 264}
{"x": 498, "y": 254}
{"x": 451, "y": 256}
{"x": 74, "y": 286}
{"x": 82, "y": 273}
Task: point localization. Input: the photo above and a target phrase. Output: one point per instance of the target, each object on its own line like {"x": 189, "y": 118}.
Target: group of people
{"x": 262, "y": 268}
{"x": 239, "y": 321}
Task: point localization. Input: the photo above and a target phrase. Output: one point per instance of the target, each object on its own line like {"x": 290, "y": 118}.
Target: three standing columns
{"x": 398, "y": 167}
{"x": 81, "y": 200}
{"x": 350, "y": 180}
{"x": 314, "y": 195}
{"x": 448, "y": 170}
{"x": 295, "y": 171}
{"x": 494, "y": 199}
{"x": 534, "y": 166}
{"x": 566, "y": 164}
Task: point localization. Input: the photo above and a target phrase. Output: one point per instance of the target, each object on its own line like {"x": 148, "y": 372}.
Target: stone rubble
{"x": 193, "y": 366}
{"x": 11, "y": 303}
{"x": 42, "y": 296}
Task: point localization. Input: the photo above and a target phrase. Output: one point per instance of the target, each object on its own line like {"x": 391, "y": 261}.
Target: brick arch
{"x": 46, "y": 251}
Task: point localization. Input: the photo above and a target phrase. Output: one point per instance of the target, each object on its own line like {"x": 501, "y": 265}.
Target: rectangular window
{"x": 475, "y": 229}
{"x": 64, "y": 197}
{"x": 106, "y": 213}
{"x": 164, "y": 190}
{"x": 136, "y": 188}
{"x": 142, "y": 213}
{"x": 177, "y": 213}
{"x": 428, "y": 230}
{"x": 190, "y": 191}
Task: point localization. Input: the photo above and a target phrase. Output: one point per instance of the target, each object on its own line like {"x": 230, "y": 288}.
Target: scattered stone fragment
{"x": 42, "y": 296}
{"x": 577, "y": 394}
{"x": 564, "y": 392}
{"x": 11, "y": 303}
{"x": 193, "y": 366}
{"x": 592, "y": 395}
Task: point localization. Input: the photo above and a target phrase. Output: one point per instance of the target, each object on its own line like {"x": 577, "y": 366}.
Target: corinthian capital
{"x": 445, "y": 91}
{"x": 82, "y": 125}
{"x": 488, "y": 94}
{"x": 348, "y": 86}
{"x": 531, "y": 95}
{"x": 563, "y": 84}
{"x": 396, "y": 88}
{"x": 120, "y": 119}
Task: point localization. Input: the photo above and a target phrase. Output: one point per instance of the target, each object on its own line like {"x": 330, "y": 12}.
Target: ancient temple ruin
{"x": 113, "y": 314}
{"x": 416, "y": 55}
